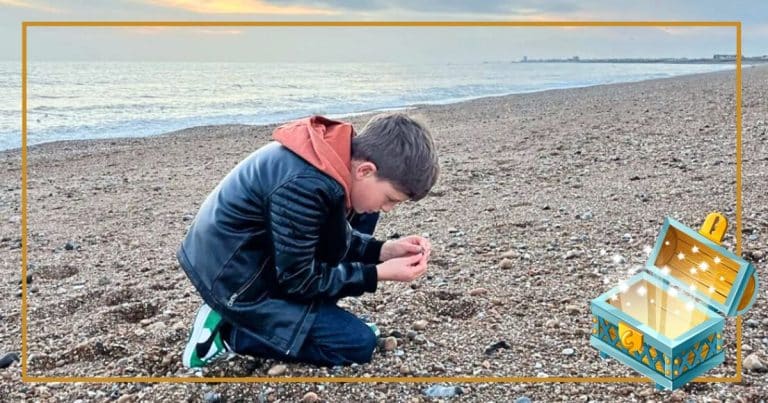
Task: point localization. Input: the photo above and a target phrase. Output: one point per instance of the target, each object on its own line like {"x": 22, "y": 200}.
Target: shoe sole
{"x": 200, "y": 318}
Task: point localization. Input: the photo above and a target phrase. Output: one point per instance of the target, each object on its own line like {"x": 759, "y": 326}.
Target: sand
{"x": 558, "y": 183}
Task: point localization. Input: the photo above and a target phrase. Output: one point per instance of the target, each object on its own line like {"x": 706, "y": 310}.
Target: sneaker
{"x": 205, "y": 344}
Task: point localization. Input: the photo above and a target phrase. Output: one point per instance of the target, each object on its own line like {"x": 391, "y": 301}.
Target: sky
{"x": 356, "y": 44}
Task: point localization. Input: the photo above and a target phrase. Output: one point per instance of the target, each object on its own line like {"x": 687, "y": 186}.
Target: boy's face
{"x": 370, "y": 194}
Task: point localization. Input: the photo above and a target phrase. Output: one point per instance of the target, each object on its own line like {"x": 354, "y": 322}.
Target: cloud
{"x": 31, "y": 5}
{"x": 241, "y": 7}
{"x": 444, "y": 6}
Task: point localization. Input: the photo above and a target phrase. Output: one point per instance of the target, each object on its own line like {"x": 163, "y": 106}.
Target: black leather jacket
{"x": 271, "y": 242}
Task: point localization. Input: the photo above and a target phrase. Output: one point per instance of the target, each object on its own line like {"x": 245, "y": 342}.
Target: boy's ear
{"x": 364, "y": 169}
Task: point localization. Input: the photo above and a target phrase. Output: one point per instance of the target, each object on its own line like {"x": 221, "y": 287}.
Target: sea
{"x": 97, "y": 100}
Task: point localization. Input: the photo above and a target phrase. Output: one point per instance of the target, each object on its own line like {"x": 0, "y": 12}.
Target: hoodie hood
{"x": 324, "y": 143}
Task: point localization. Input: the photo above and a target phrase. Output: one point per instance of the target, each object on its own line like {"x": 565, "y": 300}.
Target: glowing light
{"x": 717, "y": 259}
{"x": 666, "y": 243}
{"x": 614, "y": 297}
{"x": 665, "y": 270}
{"x": 722, "y": 278}
{"x": 623, "y": 287}
{"x": 652, "y": 300}
{"x": 693, "y": 270}
{"x": 711, "y": 290}
{"x": 641, "y": 291}
{"x": 673, "y": 292}
{"x": 692, "y": 287}
{"x": 689, "y": 306}
{"x": 695, "y": 249}
{"x": 627, "y": 304}
{"x": 681, "y": 256}
{"x": 703, "y": 266}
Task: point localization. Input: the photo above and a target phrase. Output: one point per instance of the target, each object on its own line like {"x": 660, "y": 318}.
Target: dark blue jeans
{"x": 337, "y": 337}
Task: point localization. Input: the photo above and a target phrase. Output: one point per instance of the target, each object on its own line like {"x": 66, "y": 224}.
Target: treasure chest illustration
{"x": 666, "y": 321}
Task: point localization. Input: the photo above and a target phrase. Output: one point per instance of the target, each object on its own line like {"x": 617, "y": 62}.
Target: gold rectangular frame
{"x": 471, "y": 379}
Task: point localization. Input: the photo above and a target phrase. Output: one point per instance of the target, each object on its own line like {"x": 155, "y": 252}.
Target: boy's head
{"x": 393, "y": 160}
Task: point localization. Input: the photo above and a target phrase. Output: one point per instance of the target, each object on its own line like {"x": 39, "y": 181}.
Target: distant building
{"x": 575, "y": 58}
{"x": 525, "y": 58}
{"x": 724, "y": 57}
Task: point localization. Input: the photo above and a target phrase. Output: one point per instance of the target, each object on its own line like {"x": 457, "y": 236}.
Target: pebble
{"x": 420, "y": 324}
{"x": 506, "y": 264}
{"x": 8, "y": 359}
{"x": 553, "y": 323}
{"x": 572, "y": 254}
{"x": 405, "y": 370}
{"x": 497, "y": 346}
{"x": 277, "y": 370}
{"x": 572, "y": 309}
{"x": 752, "y": 323}
{"x": 156, "y": 327}
{"x": 390, "y": 343}
{"x": 523, "y": 399}
{"x": 29, "y": 278}
{"x": 396, "y": 334}
{"x": 753, "y": 363}
{"x": 510, "y": 254}
{"x": 211, "y": 397}
{"x": 478, "y": 291}
{"x": 411, "y": 334}
{"x": 586, "y": 216}
{"x": 310, "y": 397}
{"x": 72, "y": 245}
{"x": 568, "y": 351}
{"x": 443, "y": 391}
{"x": 126, "y": 399}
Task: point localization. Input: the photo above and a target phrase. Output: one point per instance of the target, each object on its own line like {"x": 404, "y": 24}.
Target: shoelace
{"x": 218, "y": 355}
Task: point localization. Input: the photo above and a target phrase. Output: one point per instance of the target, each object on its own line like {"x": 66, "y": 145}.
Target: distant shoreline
{"x": 650, "y": 61}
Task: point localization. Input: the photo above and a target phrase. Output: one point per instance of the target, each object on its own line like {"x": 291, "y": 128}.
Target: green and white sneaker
{"x": 205, "y": 344}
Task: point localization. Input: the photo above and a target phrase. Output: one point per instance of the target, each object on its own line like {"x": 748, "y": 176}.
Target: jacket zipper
{"x": 247, "y": 285}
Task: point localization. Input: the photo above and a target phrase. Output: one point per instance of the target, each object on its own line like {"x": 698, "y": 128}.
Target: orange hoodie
{"x": 324, "y": 143}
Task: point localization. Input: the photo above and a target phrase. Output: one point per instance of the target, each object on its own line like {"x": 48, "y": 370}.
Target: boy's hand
{"x": 404, "y": 269}
{"x": 408, "y": 246}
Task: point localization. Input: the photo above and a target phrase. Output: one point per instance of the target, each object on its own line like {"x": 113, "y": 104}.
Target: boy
{"x": 271, "y": 249}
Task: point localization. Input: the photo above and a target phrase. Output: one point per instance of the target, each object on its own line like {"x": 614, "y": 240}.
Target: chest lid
{"x": 696, "y": 263}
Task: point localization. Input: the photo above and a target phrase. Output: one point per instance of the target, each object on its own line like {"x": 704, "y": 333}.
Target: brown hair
{"x": 403, "y": 151}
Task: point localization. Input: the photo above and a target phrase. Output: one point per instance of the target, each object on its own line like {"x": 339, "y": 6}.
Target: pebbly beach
{"x": 545, "y": 201}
